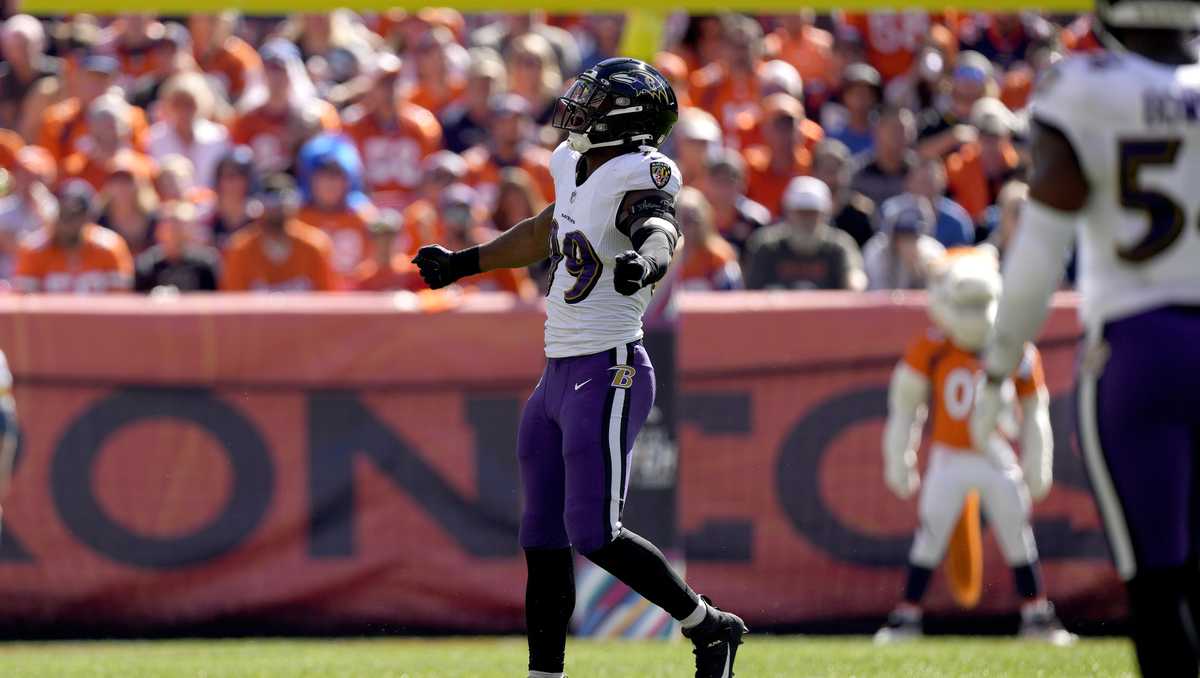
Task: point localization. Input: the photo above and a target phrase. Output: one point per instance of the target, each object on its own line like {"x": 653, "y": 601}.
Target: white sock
{"x": 698, "y": 615}
{"x": 546, "y": 674}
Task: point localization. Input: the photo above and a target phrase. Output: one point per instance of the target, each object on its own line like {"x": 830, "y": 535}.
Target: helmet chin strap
{"x": 581, "y": 143}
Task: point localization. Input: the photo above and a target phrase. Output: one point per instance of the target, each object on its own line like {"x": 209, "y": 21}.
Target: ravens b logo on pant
{"x": 623, "y": 376}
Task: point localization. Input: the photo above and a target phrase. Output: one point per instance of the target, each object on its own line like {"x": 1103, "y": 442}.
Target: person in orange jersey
{"x": 709, "y": 261}
{"x": 288, "y": 113}
{"x": 891, "y": 39}
{"x": 976, "y": 172}
{"x": 784, "y": 156}
{"x": 278, "y": 253}
{"x": 810, "y": 49}
{"x": 29, "y": 206}
{"x": 65, "y": 123}
{"x": 392, "y": 136}
{"x": 231, "y": 61}
{"x": 462, "y": 226}
{"x": 74, "y": 255}
{"x": 387, "y": 269}
{"x": 328, "y": 209}
{"x": 422, "y": 225}
{"x": 108, "y": 145}
{"x": 509, "y": 144}
{"x": 437, "y": 84}
{"x": 730, "y": 85}
{"x": 942, "y": 365}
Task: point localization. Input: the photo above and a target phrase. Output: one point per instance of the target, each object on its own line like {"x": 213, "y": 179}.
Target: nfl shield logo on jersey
{"x": 660, "y": 172}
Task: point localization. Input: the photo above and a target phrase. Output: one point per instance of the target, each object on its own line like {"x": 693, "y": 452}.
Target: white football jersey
{"x": 1135, "y": 125}
{"x": 585, "y": 313}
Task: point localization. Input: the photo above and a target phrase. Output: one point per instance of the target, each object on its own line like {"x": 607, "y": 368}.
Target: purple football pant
{"x": 575, "y": 444}
{"x": 1139, "y": 430}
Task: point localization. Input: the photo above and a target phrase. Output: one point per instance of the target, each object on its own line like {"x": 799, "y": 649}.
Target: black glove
{"x": 629, "y": 274}
{"x": 440, "y": 267}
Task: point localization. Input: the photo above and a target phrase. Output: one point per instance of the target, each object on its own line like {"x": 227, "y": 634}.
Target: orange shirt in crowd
{"x": 953, "y": 374}
{"x": 705, "y": 261}
{"x": 436, "y": 101}
{"x": 483, "y": 172}
{"x": 138, "y": 60}
{"x": 1015, "y": 87}
{"x": 232, "y": 63}
{"x": 96, "y": 171}
{"x": 10, "y": 143}
{"x": 305, "y": 265}
{"x": 967, "y": 182}
{"x": 1079, "y": 36}
{"x": 811, "y": 53}
{"x": 347, "y": 229}
{"x": 100, "y": 263}
{"x": 392, "y": 156}
{"x": 748, "y": 130}
{"x": 723, "y": 96}
{"x": 267, "y": 134}
{"x": 65, "y": 123}
{"x": 401, "y": 275}
{"x": 764, "y": 185}
{"x": 890, "y": 39}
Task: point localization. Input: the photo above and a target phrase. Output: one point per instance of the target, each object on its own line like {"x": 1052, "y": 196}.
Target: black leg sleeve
{"x": 549, "y": 602}
{"x": 642, "y": 567}
{"x": 1164, "y": 633}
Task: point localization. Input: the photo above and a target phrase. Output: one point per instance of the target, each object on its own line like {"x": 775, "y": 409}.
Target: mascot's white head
{"x": 964, "y": 292}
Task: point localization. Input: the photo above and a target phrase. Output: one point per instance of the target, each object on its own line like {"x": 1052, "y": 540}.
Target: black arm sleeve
{"x": 654, "y": 240}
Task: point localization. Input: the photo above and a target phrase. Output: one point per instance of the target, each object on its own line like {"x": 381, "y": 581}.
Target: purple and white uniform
{"x": 1135, "y": 126}
{"x": 578, "y": 427}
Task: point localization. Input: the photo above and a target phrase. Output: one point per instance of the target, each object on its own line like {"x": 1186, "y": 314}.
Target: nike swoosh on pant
{"x": 579, "y": 386}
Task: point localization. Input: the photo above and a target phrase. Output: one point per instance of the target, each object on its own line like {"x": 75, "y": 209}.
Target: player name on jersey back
{"x": 584, "y": 312}
{"x": 1135, "y": 127}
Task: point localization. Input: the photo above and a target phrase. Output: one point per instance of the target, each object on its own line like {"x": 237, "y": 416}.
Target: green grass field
{"x": 761, "y": 657}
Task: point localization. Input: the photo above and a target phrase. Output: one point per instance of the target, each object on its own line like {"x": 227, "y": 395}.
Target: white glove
{"x": 985, "y": 416}
{"x": 1037, "y": 446}
{"x": 1039, "y": 477}
{"x": 900, "y": 474}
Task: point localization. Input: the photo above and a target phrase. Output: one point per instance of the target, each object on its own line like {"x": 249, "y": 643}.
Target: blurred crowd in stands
{"x": 319, "y": 151}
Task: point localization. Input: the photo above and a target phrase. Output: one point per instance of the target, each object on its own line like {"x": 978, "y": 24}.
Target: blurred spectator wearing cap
{"x": 23, "y": 46}
{"x": 278, "y": 253}
{"x": 778, "y": 77}
{"x": 730, "y": 85}
{"x": 186, "y": 127}
{"x": 517, "y": 198}
{"x": 499, "y": 35}
{"x": 946, "y": 126}
{"x": 108, "y": 145}
{"x": 890, "y": 38}
{"x": 290, "y": 114}
{"x": 465, "y": 122}
{"x": 735, "y": 216}
{"x": 422, "y": 224}
{"x": 510, "y": 143}
{"x": 66, "y": 122}
{"x": 979, "y": 169}
{"x": 695, "y": 138}
{"x": 708, "y": 261}
{"x": 235, "y": 184}
{"x": 29, "y": 205}
{"x": 952, "y": 225}
{"x": 603, "y": 32}
{"x": 462, "y": 228}
{"x": 809, "y": 49}
{"x": 437, "y": 82}
{"x": 223, "y": 56}
{"x": 885, "y": 168}
{"x": 850, "y": 121}
{"x": 533, "y": 74}
{"x": 129, "y": 206}
{"x": 392, "y": 136}
{"x": 386, "y": 269}
{"x": 328, "y": 208}
{"x": 132, "y": 42}
{"x": 783, "y": 155}
{"x": 74, "y": 255}
{"x": 803, "y": 251}
{"x": 852, "y": 211}
{"x": 177, "y": 260}
{"x": 898, "y": 257}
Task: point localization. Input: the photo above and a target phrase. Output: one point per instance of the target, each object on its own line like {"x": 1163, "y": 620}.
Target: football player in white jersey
{"x": 610, "y": 235}
{"x": 1116, "y": 164}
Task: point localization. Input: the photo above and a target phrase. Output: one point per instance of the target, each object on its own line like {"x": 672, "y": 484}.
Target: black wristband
{"x": 465, "y": 262}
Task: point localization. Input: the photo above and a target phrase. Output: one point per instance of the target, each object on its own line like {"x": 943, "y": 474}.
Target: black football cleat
{"x": 716, "y": 642}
